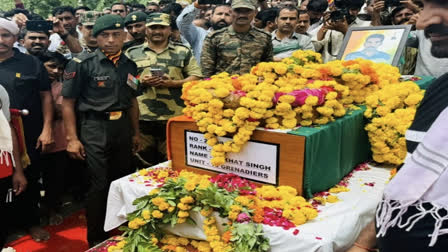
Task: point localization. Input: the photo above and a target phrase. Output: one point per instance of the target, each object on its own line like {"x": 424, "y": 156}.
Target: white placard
{"x": 257, "y": 161}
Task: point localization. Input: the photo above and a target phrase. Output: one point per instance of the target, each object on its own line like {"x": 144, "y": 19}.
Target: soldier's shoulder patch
{"x": 135, "y": 51}
{"x": 69, "y": 75}
{"x": 77, "y": 60}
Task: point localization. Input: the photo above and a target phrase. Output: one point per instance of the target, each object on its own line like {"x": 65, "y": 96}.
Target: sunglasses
{"x": 118, "y": 11}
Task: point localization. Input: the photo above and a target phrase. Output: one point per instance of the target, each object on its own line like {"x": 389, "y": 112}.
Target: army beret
{"x": 134, "y": 17}
{"x": 107, "y": 22}
{"x": 158, "y": 19}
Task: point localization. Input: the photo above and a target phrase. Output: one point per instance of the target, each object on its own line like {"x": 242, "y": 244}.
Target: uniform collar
{"x": 294, "y": 35}
{"x": 233, "y": 32}
{"x": 102, "y": 57}
{"x": 170, "y": 46}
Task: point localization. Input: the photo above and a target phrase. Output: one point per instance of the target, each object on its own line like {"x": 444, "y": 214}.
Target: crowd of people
{"x": 99, "y": 86}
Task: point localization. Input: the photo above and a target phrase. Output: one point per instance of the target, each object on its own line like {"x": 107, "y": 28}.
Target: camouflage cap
{"x": 89, "y": 17}
{"x": 107, "y": 22}
{"x": 158, "y": 19}
{"x": 135, "y": 17}
{"x": 248, "y": 4}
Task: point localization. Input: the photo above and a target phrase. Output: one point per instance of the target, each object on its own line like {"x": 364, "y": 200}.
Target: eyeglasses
{"x": 118, "y": 11}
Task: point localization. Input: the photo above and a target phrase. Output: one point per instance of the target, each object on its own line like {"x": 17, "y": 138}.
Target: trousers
{"x": 108, "y": 148}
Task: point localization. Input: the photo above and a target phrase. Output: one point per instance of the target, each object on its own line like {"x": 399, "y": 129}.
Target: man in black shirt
{"x": 97, "y": 86}
{"x": 26, "y": 81}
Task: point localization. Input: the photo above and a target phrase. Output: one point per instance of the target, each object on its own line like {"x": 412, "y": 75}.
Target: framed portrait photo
{"x": 380, "y": 44}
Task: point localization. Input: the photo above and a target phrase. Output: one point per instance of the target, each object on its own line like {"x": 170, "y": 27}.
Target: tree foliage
{"x": 44, "y": 7}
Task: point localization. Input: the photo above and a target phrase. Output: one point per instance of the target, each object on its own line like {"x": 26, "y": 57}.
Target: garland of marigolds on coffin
{"x": 301, "y": 91}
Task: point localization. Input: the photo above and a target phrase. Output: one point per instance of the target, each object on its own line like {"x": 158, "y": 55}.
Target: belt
{"x": 108, "y": 116}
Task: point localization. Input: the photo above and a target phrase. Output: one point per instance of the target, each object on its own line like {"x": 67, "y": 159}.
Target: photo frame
{"x": 381, "y": 44}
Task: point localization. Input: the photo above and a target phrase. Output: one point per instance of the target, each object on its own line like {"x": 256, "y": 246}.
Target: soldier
{"x": 239, "y": 47}
{"x": 135, "y": 24}
{"x": 96, "y": 86}
{"x": 87, "y": 20}
{"x": 163, "y": 66}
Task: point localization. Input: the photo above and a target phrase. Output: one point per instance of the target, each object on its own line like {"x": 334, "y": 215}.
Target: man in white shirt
{"x": 330, "y": 36}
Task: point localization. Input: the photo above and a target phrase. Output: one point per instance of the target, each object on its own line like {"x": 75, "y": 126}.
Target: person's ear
{"x": 21, "y": 41}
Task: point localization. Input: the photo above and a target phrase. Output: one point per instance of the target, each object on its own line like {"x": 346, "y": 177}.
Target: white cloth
{"x": 5, "y": 129}
{"x": 335, "y": 229}
{"x": 9, "y": 25}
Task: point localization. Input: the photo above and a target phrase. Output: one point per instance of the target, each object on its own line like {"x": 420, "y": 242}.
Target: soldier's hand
{"x": 75, "y": 149}
{"x": 151, "y": 81}
{"x": 136, "y": 144}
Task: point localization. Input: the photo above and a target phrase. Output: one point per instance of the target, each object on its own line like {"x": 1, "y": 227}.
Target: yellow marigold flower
{"x": 183, "y": 214}
{"x": 311, "y": 100}
{"x": 157, "y": 214}
{"x": 190, "y": 186}
{"x": 157, "y": 201}
{"x": 146, "y": 214}
{"x": 187, "y": 200}
{"x": 142, "y": 172}
{"x": 332, "y": 199}
{"x": 154, "y": 192}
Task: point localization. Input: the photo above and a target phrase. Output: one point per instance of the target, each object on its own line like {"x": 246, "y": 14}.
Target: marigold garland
{"x": 391, "y": 111}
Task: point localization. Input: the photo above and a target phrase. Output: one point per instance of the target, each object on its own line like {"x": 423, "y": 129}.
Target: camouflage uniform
{"x": 227, "y": 51}
{"x": 159, "y": 104}
{"x": 236, "y": 53}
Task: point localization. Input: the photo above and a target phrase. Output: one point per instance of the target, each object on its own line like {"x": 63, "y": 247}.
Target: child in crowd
{"x": 54, "y": 161}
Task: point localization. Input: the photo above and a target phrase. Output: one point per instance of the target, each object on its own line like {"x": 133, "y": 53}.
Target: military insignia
{"x": 115, "y": 115}
{"x": 134, "y": 18}
{"x": 69, "y": 75}
{"x": 77, "y": 60}
{"x": 18, "y": 75}
{"x": 101, "y": 84}
{"x": 117, "y": 25}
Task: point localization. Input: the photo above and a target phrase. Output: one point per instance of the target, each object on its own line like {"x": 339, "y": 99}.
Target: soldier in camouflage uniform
{"x": 163, "y": 66}
{"x": 87, "y": 20}
{"x": 239, "y": 47}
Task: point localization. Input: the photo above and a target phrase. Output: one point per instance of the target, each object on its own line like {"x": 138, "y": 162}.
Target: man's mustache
{"x": 436, "y": 29}
{"x": 37, "y": 44}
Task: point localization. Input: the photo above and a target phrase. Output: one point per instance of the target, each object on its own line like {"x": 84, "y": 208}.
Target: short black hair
{"x": 303, "y": 12}
{"x": 118, "y": 3}
{"x": 355, "y": 4}
{"x": 172, "y": 8}
{"x": 53, "y": 56}
{"x": 287, "y": 7}
{"x": 24, "y": 31}
{"x": 317, "y": 5}
{"x": 165, "y": 2}
{"x": 377, "y": 36}
{"x": 15, "y": 11}
{"x": 61, "y": 9}
{"x": 268, "y": 15}
{"x": 219, "y": 5}
{"x": 138, "y": 6}
{"x": 82, "y": 8}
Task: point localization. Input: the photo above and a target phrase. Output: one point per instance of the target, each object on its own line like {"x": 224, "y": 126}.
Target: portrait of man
{"x": 372, "y": 50}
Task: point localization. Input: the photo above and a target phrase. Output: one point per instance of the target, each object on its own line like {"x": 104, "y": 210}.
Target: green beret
{"x": 107, "y": 22}
{"x": 135, "y": 17}
{"x": 158, "y": 19}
